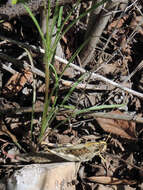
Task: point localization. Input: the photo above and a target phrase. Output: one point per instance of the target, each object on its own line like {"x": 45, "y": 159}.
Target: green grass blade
{"x": 73, "y": 57}
{"x": 72, "y": 89}
{"x": 34, "y": 91}
{"x": 59, "y": 32}
{"x": 94, "y": 108}
{"x": 36, "y": 23}
{"x": 60, "y": 17}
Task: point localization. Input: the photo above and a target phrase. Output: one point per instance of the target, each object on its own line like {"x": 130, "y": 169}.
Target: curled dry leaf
{"x": 17, "y": 82}
{"x": 7, "y": 132}
{"x": 110, "y": 180}
{"x": 7, "y": 26}
{"x": 124, "y": 129}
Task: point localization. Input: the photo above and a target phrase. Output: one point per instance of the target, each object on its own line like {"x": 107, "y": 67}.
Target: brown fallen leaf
{"x": 17, "y": 82}
{"x": 124, "y": 129}
{"x": 117, "y": 23}
{"x": 7, "y": 26}
{"x": 13, "y": 137}
{"x": 110, "y": 180}
{"x": 60, "y": 68}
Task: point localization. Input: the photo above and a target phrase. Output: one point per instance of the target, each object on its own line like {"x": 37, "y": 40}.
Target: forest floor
{"x": 121, "y": 166}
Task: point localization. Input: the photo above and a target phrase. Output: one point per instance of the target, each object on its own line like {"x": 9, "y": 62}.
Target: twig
{"x": 125, "y": 117}
{"x": 85, "y": 86}
{"x": 92, "y": 75}
{"x": 100, "y": 77}
{"x": 20, "y": 64}
{"x": 9, "y": 69}
{"x": 126, "y": 162}
{"x": 8, "y": 12}
{"x": 138, "y": 68}
{"x": 38, "y": 109}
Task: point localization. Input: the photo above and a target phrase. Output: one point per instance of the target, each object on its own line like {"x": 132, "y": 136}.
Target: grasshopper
{"x": 74, "y": 153}
{"x": 80, "y": 152}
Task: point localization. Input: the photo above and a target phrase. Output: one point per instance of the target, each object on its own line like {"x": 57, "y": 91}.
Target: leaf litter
{"x": 117, "y": 67}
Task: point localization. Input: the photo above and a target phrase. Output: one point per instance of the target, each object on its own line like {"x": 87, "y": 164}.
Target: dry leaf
{"x": 110, "y": 180}
{"x": 137, "y": 23}
{"x": 109, "y": 68}
{"x": 3, "y": 133}
{"x": 117, "y": 23}
{"x": 7, "y": 26}
{"x": 17, "y": 82}
{"x": 125, "y": 129}
{"x": 61, "y": 66}
{"x": 6, "y": 131}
